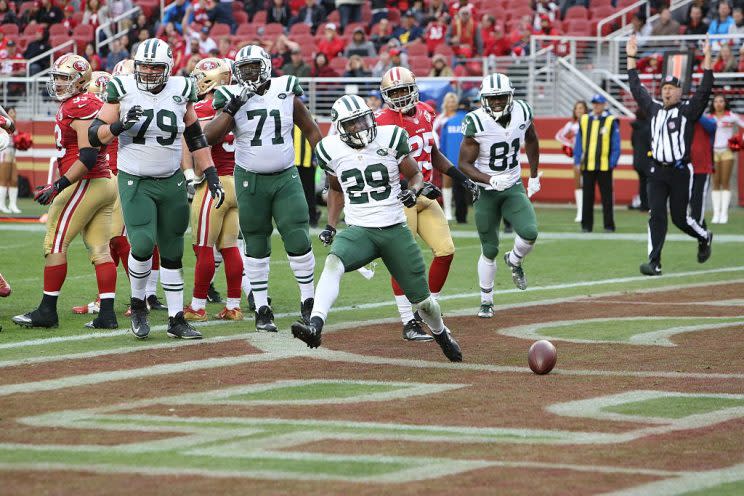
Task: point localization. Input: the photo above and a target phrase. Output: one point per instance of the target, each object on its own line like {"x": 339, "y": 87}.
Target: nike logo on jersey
{"x": 294, "y": 176}
{"x": 179, "y": 184}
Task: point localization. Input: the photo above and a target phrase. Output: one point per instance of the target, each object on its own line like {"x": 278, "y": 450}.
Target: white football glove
{"x": 533, "y": 185}
{"x": 499, "y": 184}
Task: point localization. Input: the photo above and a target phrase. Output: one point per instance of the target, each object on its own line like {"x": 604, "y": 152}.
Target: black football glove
{"x": 45, "y": 194}
{"x": 407, "y": 198}
{"x": 430, "y": 191}
{"x": 473, "y": 188}
{"x": 215, "y": 186}
{"x": 129, "y": 120}
{"x": 326, "y": 235}
{"x": 237, "y": 101}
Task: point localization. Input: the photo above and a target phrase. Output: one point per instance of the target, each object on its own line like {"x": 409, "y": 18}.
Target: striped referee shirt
{"x": 672, "y": 127}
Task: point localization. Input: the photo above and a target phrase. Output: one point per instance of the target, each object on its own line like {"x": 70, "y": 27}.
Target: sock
{"x": 233, "y": 304}
{"x": 578, "y": 196}
{"x": 438, "y": 271}
{"x": 486, "y": 274}
{"x": 119, "y": 246}
{"x": 725, "y": 202}
{"x": 13, "y": 197}
{"x": 54, "y": 278}
{"x": 520, "y": 250}
{"x": 431, "y": 314}
{"x": 106, "y": 279}
{"x": 233, "y": 272}
{"x": 447, "y": 201}
{"x": 172, "y": 281}
{"x": 716, "y": 198}
{"x": 328, "y": 286}
{"x": 435, "y": 295}
{"x": 245, "y": 283}
{"x": 139, "y": 272}
{"x": 3, "y": 194}
{"x": 151, "y": 287}
{"x": 405, "y": 309}
{"x": 257, "y": 270}
{"x": 203, "y": 271}
{"x": 198, "y": 303}
{"x": 303, "y": 267}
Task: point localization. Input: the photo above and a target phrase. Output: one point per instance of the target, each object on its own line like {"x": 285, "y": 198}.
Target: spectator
{"x": 175, "y": 14}
{"x": 222, "y": 13}
{"x": 723, "y": 22}
{"x": 408, "y": 31}
{"x": 701, "y": 4}
{"x": 116, "y": 55}
{"x": 296, "y": 65}
{"x": 117, "y": 8}
{"x": 279, "y": 12}
{"x": 437, "y": 10}
{"x": 374, "y": 101}
{"x": 640, "y": 28}
{"x": 7, "y": 15}
{"x": 206, "y": 44}
{"x": 458, "y": 5}
{"x": 68, "y": 20}
{"x": 382, "y": 32}
{"x": 355, "y": 67}
{"x": 725, "y": 61}
{"x": 226, "y": 51}
{"x": 29, "y": 16}
{"x": 464, "y": 36}
{"x": 360, "y": 45}
{"x": 650, "y": 65}
{"x": 388, "y": 59}
{"x": 252, "y": 6}
{"x": 39, "y": 45}
{"x": 439, "y": 67}
{"x": 741, "y": 59}
{"x": 665, "y": 25}
{"x": 499, "y": 45}
{"x": 190, "y": 66}
{"x": 566, "y": 136}
{"x": 418, "y": 12}
{"x": 696, "y": 23}
{"x": 738, "y": 26}
{"x": 545, "y": 8}
{"x": 450, "y": 140}
{"x": 49, "y": 14}
{"x": 11, "y": 64}
{"x": 321, "y": 67}
{"x": 350, "y": 11}
{"x": 311, "y": 14}
{"x": 640, "y": 138}
{"x": 197, "y": 13}
{"x": 90, "y": 14}
{"x": 547, "y": 29}
{"x": 332, "y": 44}
{"x": 281, "y": 53}
{"x": 93, "y": 58}
{"x": 521, "y": 37}
{"x": 137, "y": 26}
{"x": 144, "y": 34}
{"x": 435, "y": 33}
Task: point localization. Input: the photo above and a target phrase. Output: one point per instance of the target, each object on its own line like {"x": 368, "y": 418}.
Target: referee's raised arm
{"x": 640, "y": 94}
{"x": 696, "y": 106}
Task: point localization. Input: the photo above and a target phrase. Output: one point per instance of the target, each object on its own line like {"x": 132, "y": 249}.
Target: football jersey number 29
{"x": 500, "y": 155}
{"x": 356, "y": 191}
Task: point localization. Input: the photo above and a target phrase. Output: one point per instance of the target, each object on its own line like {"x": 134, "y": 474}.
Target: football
{"x": 542, "y": 357}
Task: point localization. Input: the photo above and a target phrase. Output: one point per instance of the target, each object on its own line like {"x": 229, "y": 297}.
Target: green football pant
{"x": 156, "y": 211}
{"x": 512, "y": 205}
{"x": 263, "y": 197}
{"x": 357, "y": 246}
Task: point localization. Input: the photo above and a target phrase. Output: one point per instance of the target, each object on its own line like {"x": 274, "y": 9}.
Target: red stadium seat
{"x": 300, "y": 28}
{"x": 602, "y": 12}
{"x": 516, "y": 13}
{"x": 9, "y": 29}
{"x": 273, "y": 30}
{"x": 576, "y": 12}
{"x": 149, "y": 7}
{"x": 394, "y": 16}
{"x": 240, "y": 17}
{"x": 218, "y": 30}
{"x": 259, "y": 17}
{"x": 416, "y": 50}
{"x": 246, "y": 31}
{"x": 56, "y": 41}
{"x": 338, "y": 64}
{"x": 578, "y": 27}
{"x": 421, "y": 70}
{"x": 24, "y": 7}
{"x": 84, "y": 30}
{"x": 58, "y": 30}
{"x": 31, "y": 29}
{"x": 444, "y": 49}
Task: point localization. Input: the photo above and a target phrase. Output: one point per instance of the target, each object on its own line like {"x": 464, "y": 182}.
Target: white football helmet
{"x": 497, "y": 95}
{"x": 399, "y": 90}
{"x": 354, "y": 121}
{"x": 252, "y": 66}
{"x": 153, "y": 63}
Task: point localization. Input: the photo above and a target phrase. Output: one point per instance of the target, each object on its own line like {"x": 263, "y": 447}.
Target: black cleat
{"x": 140, "y": 326}
{"x": 306, "y": 308}
{"x": 37, "y": 318}
{"x": 154, "y": 303}
{"x": 252, "y": 302}
{"x": 309, "y": 333}
{"x": 651, "y": 269}
{"x": 265, "y": 320}
{"x": 413, "y": 331}
{"x": 704, "y": 248}
{"x": 103, "y": 321}
{"x": 213, "y": 296}
{"x": 417, "y": 316}
{"x": 179, "y": 328}
{"x": 520, "y": 281}
{"x": 449, "y": 346}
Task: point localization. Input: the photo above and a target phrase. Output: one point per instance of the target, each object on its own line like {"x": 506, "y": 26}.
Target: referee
{"x": 671, "y": 174}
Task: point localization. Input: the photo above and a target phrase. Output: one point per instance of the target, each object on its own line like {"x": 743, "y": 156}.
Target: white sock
{"x": 3, "y": 194}
{"x": 303, "y": 268}
{"x": 716, "y": 197}
{"x": 486, "y": 274}
{"x": 217, "y": 262}
{"x": 404, "y": 308}
{"x": 198, "y": 303}
{"x": 435, "y": 295}
{"x": 328, "y": 286}
{"x": 447, "y": 201}
{"x": 725, "y": 202}
{"x": 431, "y": 314}
{"x": 257, "y": 270}
{"x": 139, "y": 272}
{"x": 13, "y": 197}
{"x": 172, "y": 282}
{"x": 520, "y": 250}
{"x": 578, "y": 196}
{"x": 152, "y": 282}
{"x": 233, "y": 304}
{"x": 245, "y": 283}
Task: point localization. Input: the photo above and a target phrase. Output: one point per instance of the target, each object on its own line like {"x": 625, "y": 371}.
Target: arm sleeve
{"x": 640, "y": 94}
{"x": 469, "y": 128}
{"x": 221, "y": 96}
{"x": 615, "y": 144}
{"x": 323, "y": 158}
{"x": 577, "y": 148}
{"x": 114, "y": 90}
{"x": 402, "y": 148}
{"x": 695, "y": 108}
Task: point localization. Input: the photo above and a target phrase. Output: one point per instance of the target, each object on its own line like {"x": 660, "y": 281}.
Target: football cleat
{"x": 180, "y": 329}
{"x": 229, "y": 314}
{"x": 306, "y": 308}
{"x": 37, "y": 318}
{"x": 265, "y": 320}
{"x": 194, "y": 315}
{"x": 650, "y": 269}
{"x": 140, "y": 326}
{"x": 486, "y": 310}
{"x": 103, "y": 322}
{"x": 413, "y": 331}
{"x": 449, "y": 346}
{"x": 309, "y": 333}
{"x": 704, "y": 248}
{"x": 517, "y": 273}
{"x": 154, "y": 303}
{"x": 4, "y": 287}
{"x": 213, "y": 296}
{"x": 92, "y": 307}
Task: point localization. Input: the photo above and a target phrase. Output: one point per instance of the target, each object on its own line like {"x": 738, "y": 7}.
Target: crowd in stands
{"x": 330, "y": 38}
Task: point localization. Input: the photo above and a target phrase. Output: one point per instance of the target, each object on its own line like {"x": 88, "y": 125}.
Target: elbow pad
{"x": 93, "y": 132}
{"x": 194, "y": 137}
{"x": 88, "y": 157}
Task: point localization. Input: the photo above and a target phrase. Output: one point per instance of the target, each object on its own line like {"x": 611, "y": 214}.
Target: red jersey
{"x": 420, "y": 132}
{"x": 223, "y": 153}
{"x": 81, "y": 107}
{"x": 112, "y": 149}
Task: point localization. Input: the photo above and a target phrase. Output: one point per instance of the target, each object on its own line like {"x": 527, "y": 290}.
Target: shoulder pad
{"x": 84, "y": 106}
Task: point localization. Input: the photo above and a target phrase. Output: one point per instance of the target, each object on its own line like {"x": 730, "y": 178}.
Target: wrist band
{"x": 632, "y": 56}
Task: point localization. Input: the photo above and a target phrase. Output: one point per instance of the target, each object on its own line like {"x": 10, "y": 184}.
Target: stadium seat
{"x": 417, "y": 50}
{"x": 149, "y": 7}
{"x": 444, "y": 49}
{"x": 600, "y": 4}
{"x": 578, "y": 27}
{"x": 366, "y": 13}
{"x": 58, "y": 30}
{"x": 9, "y": 30}
{"x": 31, "y": 29}
{"x": 421, "y": 70}
{"x": 246, "y": 31}
{"x": 516, "y": 13}
{"x": 338, "y": 64}
{"x": 259, "y": 17}
{"x": 333, "y": 17}
{"x": 219, "y": 30}
{"x": 240, "y": 17}
{"x": 56, "y": 41}
{"x": 299, "y": 28}
{"x": 602, "y": 12}
{"x": 24, "y": 7}
{"x": 273, "y": 30}
{"x": 394, "y": 16}
{"x": 576, "y": 12}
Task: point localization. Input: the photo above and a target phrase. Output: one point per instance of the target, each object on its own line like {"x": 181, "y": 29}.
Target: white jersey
{"x": 369, "y": 177}
{"x": 499, "y": 145}
{"x": 725, "y": 129}
{"x": 152, "y": 147}
{"x": 263, "y": 126}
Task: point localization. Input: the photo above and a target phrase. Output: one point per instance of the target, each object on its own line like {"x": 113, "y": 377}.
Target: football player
{"x": 426, "y": 218}
{"x": 262, "y": 112}
{"x": 150, "y": 112}
{"x": 210, "y": 227}
{"x": 364, "y": 162}
{"x": 489, "y": 155}
{"x": 82, "y": 199}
